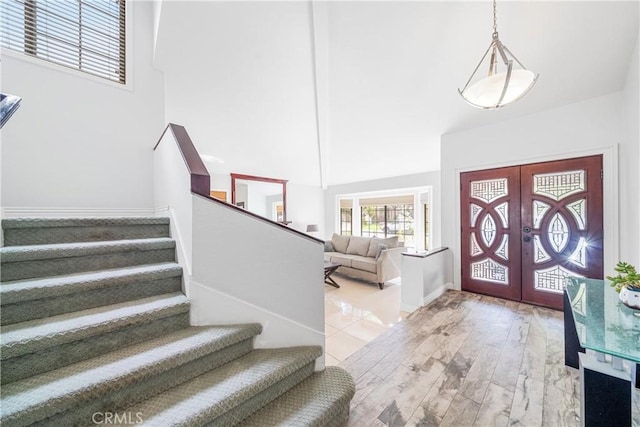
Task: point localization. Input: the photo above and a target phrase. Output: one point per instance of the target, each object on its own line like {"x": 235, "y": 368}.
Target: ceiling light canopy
{"x": 504, "y": 83}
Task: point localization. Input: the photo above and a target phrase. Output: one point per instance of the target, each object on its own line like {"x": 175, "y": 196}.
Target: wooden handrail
{"x": 200, "y": 178}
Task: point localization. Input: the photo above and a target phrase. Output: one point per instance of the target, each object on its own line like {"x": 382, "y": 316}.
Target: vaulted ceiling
{"x": 325, "y": 93}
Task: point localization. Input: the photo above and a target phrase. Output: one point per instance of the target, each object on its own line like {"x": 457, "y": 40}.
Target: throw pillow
{"x": 340, "y": 243}
{"x": 381, "y": 247}
{"x": 391, "y": 242}
{"x": 328, "y": 246}
{"x": 358, "y": 245}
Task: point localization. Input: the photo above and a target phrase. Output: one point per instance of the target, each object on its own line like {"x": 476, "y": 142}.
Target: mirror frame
{"x": 235, "y": 176}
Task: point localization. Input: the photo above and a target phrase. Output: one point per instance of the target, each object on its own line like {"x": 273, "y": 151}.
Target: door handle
{"x": 526, "y": 239}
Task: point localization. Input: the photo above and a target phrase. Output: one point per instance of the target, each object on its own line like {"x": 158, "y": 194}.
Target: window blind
{"x": 389, "y": 200}
{"x": 86, "y": 35}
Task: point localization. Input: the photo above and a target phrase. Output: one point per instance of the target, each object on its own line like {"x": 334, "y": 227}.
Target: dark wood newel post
{"x": 200, "y": 179}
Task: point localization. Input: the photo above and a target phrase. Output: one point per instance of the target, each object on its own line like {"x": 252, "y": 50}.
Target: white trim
{"x": 610, "y": 217}
{"x": 213, "y": 307}
{"x": 181, "y": 253}
{"x": 58, "y": 212}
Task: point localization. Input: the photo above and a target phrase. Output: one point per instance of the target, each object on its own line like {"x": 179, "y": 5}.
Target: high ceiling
{"x": 335, "y": 92}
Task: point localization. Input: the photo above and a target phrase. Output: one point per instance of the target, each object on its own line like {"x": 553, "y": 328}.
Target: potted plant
{"x": 627, "y": 284}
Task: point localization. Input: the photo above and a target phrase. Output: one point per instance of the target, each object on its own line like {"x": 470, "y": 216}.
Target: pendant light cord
{"x": 495, "y": 20}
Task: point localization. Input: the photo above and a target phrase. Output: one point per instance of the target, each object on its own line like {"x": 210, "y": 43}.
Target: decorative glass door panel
{"x": 526, "y": 228}
{"x": 562, "y": 208}
{"x": 490, "y": 230}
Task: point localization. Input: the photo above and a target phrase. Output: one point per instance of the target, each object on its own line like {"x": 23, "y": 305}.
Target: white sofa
{"x": 368, "y": 258}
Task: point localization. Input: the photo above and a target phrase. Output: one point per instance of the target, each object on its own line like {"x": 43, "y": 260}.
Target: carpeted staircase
{"x": 95, "y": 330}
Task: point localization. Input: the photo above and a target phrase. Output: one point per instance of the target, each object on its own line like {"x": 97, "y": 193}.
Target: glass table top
{"x": 603, "y": 323}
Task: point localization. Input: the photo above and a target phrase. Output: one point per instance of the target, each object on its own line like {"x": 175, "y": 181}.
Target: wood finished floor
{"x": 468, "y": 360}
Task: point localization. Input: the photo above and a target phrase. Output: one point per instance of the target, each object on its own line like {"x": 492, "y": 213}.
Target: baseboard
{"x": 435, "y": 294}
{"x": 410, "y": 308}
{"x": 181, "y": 254}
{"x": 212, "y": 307}
{"x": 58, "y": 212}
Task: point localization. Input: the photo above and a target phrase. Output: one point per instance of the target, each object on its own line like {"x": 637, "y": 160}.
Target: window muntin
{"x": 346, "y": 221}
{"x": 85, "y": 35}
{"x": 389, "y": 220}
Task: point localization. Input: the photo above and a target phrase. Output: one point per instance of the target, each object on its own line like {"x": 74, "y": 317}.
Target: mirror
{"x": 262, "y": 196}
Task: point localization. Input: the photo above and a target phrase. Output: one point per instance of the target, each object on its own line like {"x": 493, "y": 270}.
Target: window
{"x": 86, "y": 35}
{"x": 346, "y": 217}
{"x": 426, "y": 226}
{"x": 389, "y": 216}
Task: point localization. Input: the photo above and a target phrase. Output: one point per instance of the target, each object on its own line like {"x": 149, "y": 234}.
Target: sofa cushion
{"x": 341, "y": 259}
{"x": 340, "y": 243}
{"x": 359, "y": 245}
{"x": 328, "y": 246}
{"x": 391, "y": 242}
{"x": 365, "y": 264}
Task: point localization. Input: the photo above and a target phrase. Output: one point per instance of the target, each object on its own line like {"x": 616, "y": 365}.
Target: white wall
{"x": 78, "y": 142}
{"x": 426, "y": 179}
{"x": 629, "y": 170}
{"x": 305, "y": 205}
{"x": 239, "y": 77}
{"x": 585, "y": 128}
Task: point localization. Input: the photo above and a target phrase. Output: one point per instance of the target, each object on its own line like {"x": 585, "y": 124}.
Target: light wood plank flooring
{"x": 468, "y": 360}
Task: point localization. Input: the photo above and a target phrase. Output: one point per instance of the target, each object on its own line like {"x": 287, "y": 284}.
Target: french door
{"x": 526, "y": 228}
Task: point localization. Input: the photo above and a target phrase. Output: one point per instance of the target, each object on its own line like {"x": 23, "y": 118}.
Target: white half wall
{"x": 79, "y": 142}
{"x": 241, "y": 260}
{"x": 586, "y": 128}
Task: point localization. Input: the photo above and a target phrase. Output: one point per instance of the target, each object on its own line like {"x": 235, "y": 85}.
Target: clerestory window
{"x": 85, "y": 35}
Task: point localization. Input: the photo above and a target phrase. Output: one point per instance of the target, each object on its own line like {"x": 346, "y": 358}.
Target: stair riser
{"x": 128, "y": 394}
{"x": 59, "y": 266}
{"x": 51, "y": 235}
{"x": 248, "y": 407}
{"x": 57, "y": 356}
{"x": 52, "y": 306}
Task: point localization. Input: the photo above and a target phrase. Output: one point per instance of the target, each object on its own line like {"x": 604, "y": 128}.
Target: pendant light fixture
{"x": 503, "y": 84}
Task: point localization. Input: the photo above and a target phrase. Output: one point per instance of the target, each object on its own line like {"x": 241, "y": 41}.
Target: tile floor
{"x": 356, "y": 314}
{"x": 464, "y": 360}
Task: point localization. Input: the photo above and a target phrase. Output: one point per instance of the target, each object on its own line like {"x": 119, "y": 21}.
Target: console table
{"x": 595, "y": 319}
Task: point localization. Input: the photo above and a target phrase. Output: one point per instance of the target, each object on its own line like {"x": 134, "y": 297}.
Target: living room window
{"x": 85, "y": 35}
{"x": 389, "y": 216}
{"x": 346, "y": 217}
{"x": 426, "y": 226}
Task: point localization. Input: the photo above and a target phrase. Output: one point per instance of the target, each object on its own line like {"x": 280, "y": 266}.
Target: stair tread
{"x": 31, "y": 289}
{"x": 316, "y": 401}
{"x": 212, "y": 394}
{"x": 60, "y": 389}
{"x": 82, "y": 222}
{"x": 64, "y": 250}
{"x": 34, "y": 335}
